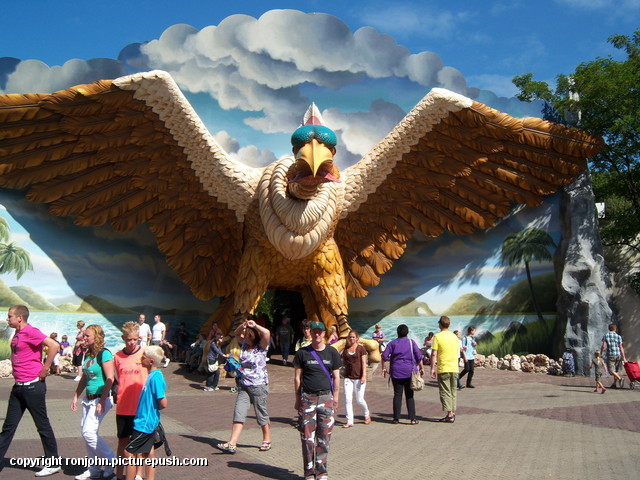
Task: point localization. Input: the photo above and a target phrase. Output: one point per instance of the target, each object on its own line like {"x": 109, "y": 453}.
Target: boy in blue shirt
{"x": 152, "y": 400}
{"x": 468, "y": 350}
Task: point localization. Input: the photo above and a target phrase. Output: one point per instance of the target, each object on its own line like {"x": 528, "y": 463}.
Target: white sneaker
{"x": 138, "y": 477}
{"x": 77, "y": 379}
{"x": 86, "y": 475}
{"x": 208, "y": 389}
{"x": 216, "y": 388}
{"x": 46, "y": 471}
{"x": 166, "y": 362}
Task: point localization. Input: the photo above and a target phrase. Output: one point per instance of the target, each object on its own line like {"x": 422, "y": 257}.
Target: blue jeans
{"x": 284, "y": 349}
{"x": 213, "y": 378}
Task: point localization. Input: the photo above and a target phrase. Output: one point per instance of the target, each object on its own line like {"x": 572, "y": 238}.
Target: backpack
{"x": 568, "y": 364}
{"x": 114, "y": 386}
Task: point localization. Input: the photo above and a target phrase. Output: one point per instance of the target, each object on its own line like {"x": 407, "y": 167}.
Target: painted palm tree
{"x": 12, "y": 257}
{"x": 529, "y": 245}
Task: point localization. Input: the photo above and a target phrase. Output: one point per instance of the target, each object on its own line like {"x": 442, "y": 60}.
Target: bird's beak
{"x": 314, "y": 154}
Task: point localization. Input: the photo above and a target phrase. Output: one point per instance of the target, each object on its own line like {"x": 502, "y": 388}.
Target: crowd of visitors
{"x": 130, "y": 380}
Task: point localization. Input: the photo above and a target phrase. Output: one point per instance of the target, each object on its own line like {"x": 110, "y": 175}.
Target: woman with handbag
{"x": 253, "y": 386}
{"x": 405, "y": 362}
{"x": 213, "y": 367}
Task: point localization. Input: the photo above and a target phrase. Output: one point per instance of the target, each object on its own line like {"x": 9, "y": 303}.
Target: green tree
{"x": 4, "y": 230}
{"x": 12, "y": 258}
{"x": 529, "y": 245}
{"x": 603, "y": 97}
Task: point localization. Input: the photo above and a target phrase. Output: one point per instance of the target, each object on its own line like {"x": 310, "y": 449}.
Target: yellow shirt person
{"x": 448, "y": 346}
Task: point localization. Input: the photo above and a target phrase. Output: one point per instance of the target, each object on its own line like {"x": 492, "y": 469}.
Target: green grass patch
{"x": 5, "y": 348}
{"x": 534, "y": 337}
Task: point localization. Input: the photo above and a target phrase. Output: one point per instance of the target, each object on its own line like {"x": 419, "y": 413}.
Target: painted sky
{"x": 251, "y": 70}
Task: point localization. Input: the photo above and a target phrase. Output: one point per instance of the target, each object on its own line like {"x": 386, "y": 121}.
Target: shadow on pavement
{"x": 266, "y": 471}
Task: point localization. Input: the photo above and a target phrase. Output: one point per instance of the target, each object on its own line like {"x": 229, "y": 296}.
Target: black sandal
{"x": 413, "y": 421}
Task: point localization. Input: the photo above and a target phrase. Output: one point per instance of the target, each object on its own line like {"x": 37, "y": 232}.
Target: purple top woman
{"x": 404, "y": 357}
{"x": 402, "y": 361}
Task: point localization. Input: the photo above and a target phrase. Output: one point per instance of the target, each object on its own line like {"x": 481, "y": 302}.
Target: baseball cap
{"x": 318, "y": 325}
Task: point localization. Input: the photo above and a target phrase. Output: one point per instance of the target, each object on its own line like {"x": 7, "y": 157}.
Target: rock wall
{"x": 626, "y": 300}
{"x": 583, "y": 281}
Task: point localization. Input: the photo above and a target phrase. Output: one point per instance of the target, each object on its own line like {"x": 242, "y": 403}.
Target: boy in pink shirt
{"x": 29, "y": 390}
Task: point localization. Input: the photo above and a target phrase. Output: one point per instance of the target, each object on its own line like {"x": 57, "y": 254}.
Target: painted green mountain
{"x": 410, "y": 307}
{"x": 8, "y": 297}
{"x": 517, "y": 299}
{"x": 33, "y": 299}
{"x": 68, "y": 307}
{"x": 94, "y": 304}
{"x": 469, "y": 304}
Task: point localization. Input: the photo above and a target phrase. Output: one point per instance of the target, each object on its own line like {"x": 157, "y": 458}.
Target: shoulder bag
{"x": 417, "y": 382}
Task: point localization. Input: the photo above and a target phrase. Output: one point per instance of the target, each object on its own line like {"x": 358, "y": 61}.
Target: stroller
{"x": 633, "y": 372}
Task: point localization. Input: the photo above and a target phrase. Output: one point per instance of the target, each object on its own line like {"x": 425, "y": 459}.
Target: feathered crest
{"x": 313, "y": 126}
{"x": 312, "y": 116}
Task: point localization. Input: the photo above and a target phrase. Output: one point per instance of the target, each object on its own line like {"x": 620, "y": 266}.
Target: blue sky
{"x": 365, "y": 63}
{"x": 488, "y": 42}
{"x": 474, "y": 48}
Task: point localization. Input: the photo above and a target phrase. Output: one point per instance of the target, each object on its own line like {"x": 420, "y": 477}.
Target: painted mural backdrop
{"x": 251, "y": 89}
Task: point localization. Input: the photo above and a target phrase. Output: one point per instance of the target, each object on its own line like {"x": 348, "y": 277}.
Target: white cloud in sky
{"x": 610, "y": 5}
{"x": 499, "y": 84}
{"x": 259, "y": 65}
{"x": 412, "y": 18}
{"x": 226, "y": 141}
{"x": 249, "y": 155}
{"x": 37, "y": 77}
{"x": 46, "y": 278}
{"x": 362, "y": 130}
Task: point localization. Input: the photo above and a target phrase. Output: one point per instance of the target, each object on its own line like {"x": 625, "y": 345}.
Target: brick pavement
{"x": 514, "y": 425}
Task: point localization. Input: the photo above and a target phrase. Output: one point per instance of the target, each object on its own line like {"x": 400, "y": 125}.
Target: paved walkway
{"x": 512, "y": 426}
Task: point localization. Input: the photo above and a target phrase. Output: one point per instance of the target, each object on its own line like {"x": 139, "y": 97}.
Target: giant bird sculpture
{"x": 133, "y": 151}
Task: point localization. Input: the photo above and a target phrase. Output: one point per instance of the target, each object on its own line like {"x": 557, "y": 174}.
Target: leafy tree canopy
{"x": 603, "y": 97}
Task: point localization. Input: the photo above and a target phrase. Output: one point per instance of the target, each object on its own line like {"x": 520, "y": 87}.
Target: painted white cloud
{"x": 249, "y": 155}
{"x": 499, "y": 84}
{"x": 259, "y": 64}
{"x": 35, "y": 76}
{"x": 610, "y": 5}
{"x": 360, "y": 131}
{"x": 407, "y": 19}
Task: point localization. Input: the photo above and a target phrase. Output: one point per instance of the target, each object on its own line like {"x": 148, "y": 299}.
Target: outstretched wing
{"x": 454, "y": 165}
{"x": 132, "y": 151}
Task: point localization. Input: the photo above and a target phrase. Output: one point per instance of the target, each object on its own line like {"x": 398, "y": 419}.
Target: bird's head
{"x": 314, "y": 146}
